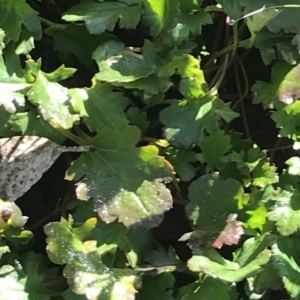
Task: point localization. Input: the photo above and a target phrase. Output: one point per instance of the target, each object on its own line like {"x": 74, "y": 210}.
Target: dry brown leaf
{"x": 24, "y": 159}
{"x": 231, "y": 234}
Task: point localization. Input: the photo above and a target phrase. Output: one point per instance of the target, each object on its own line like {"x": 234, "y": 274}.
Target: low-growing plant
{"x": 187, "y": 115}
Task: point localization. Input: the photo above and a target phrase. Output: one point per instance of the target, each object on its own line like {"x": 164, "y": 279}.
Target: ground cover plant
{"x": 149, "y": 149}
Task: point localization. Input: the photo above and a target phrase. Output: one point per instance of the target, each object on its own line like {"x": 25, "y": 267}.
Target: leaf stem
{"x": 241, "y": 44}
{"x": 52, "y": 24}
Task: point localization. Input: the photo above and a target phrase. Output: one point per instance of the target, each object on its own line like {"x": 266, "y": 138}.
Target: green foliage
{"x": 192, "y": 111}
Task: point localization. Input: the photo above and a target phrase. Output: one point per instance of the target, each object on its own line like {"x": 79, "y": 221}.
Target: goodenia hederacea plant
{"x": 84, "y": 270}
{"x": 125, "y": 182}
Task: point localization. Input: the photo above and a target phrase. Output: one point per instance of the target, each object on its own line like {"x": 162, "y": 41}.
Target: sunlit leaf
{"x": 85, "y": 271}
{"x": 286, "y": 211}
{"x": 227, "y": 270}
{"x": 125, "y": 182}
{"x": 52, "y": 99}
{"x": 159, "y": 15}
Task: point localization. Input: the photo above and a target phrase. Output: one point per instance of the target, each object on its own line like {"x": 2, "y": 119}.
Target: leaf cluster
{"x": 192, "y": 111}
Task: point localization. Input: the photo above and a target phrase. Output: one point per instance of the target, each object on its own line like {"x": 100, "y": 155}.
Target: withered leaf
{"x": 24, "y": 159}
{"x": 231, "y": 234}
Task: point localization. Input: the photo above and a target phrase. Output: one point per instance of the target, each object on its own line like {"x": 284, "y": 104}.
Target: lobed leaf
{"x": 123, "y": 180}
{"x": 99, "y": 17}
{"x": 14, "y": 15}
{"x": 210, "y": 289}
{"x": 226, "y": 270}
{"x": 85, "y": 271}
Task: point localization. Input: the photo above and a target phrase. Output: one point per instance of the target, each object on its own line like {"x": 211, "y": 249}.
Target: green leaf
{"x": 285, "y": 211}
{"x": 287, "y": 119}
{"x": 271, "y": 44}
{"x": 181, "y": 161}
{"x": 139, "y": 240}
{"x": 264, "y": 174}
{"x": 86, "y": 273}
{"x": 258, "y": 217}
{"x": 118, "y": 64}
{"x": 226, "y": 113}
{"x": 251, "y": 167}
{"x": 259, "y": 20}
{"x": 124, "y": 180}
{"x": 231, "y": 8}
{"x": 163, "y": 284}
{"x": 190, "y": 24}
{"x": 70, "y": 295}
{"x": 253, "y": 247}
{"x": 267, "y": 279}
{"x": 27, "y": 280}
{"x": 159, "y": 15}
{"x": 108, "y": 236}
{"x": 186, "y": 121}
{"x": 13, "y": 88}
{"x": 28, "y": 123}
{"x": 52, "y": 100}
{"x": 10, "y": 278}
{"x": 104, "y": 107}
{"x": 137, "y": 118}
{"x": 294, "y": 165}
{"x": 66, "y": 42}
{"x": 99, "y": 17}
{"x": 160, "y": 258}
{"x": 212, "y": 199}
{"x": 192, "y": 83}
{"x": 210, "y": 289}
{"x": 287, "y": 20}
{"x": 213, "y": 148}
{"x": 286, "y": 262}
{"x": 283, "y": 87}
{"x": 14, "y": 15}
{"x": 227, "y": 270}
